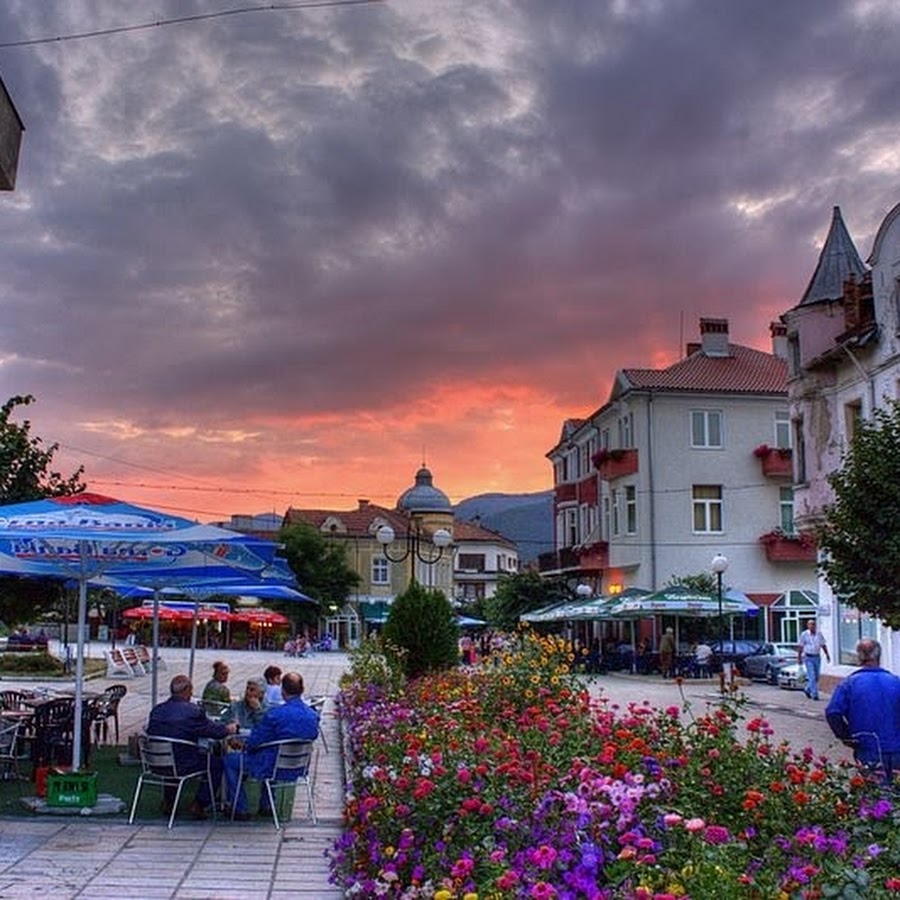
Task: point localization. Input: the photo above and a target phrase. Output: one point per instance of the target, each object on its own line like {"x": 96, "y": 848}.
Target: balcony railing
{"x": 776, "y": 462}
{"x": 783, "y": 547}
{"x": 616, "y": 463}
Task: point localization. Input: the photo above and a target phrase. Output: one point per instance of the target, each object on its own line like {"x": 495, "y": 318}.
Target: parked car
{"x": 736, "y": 652}
{"x": 765, "y": 663}
{"x": 792, "y": 677}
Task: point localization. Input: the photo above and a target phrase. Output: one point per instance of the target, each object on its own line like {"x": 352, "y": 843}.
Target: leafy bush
{"x": 30, "y": 663}
{"x": 423, "y": 624}
{"x": 376, "y": 663}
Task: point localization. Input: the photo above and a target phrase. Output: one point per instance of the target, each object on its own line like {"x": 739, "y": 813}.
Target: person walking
{"x": 864, "y": 712}
{"x": 809, "y": 654}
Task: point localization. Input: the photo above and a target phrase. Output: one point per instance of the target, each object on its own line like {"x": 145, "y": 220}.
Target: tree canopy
{"x": 520, "y": 593}
{"x": 859, "y": 535}
{"x": 25, "y": 462}
{"x": 320, "y": 565}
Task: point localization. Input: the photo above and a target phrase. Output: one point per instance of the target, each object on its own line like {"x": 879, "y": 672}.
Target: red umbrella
{"x": 146, "y": 612}
{"x": 256, "y": 617}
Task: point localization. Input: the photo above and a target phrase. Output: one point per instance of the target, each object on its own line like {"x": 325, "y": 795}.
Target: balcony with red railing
{"x": 776, "y": 462}
{"x": 616, "y": 463}
{"x": 783, "y": 547}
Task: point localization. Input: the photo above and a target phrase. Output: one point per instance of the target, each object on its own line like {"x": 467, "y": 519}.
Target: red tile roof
{"x": 745, "y": 371}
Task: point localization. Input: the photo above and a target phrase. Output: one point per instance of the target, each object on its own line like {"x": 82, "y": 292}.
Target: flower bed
{"x": 513, "y": 782}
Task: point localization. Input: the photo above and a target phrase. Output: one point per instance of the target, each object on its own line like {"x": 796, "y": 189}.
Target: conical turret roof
{"x": 838, "y": 260}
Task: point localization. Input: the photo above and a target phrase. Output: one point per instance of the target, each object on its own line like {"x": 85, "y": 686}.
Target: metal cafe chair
{"x": 160, "y": 769}
{"x": 9, "y": 750}
{"x": 292, "y": 768}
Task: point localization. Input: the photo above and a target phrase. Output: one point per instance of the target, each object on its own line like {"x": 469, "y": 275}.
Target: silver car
{"x": 792, "y": 677}
{"x": 765, "y": 664}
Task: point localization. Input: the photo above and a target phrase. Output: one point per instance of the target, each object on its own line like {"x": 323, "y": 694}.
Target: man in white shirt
{"x": 809, "y": 653}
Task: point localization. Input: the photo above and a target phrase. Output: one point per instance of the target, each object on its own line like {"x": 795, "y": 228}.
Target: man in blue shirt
{"x": 864, "y": 712}
{"x": 293, "y": 720}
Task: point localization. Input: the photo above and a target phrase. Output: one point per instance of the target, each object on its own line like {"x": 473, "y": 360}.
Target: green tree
{"x": 320, "y": 565}
{"x": 25, "y": 463}
{"x": 521, "y": 593}
{"x": 423, "y": 624}
{"x": 859, "y": 533}
{"x": 704, "y": 582}
{"x": 26, "y": 473}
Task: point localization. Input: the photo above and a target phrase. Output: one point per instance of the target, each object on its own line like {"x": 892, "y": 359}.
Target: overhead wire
{"x": 186, "y": 20}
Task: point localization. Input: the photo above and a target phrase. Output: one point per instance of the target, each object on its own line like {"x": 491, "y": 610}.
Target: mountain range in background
{"x": 526, "y": 519}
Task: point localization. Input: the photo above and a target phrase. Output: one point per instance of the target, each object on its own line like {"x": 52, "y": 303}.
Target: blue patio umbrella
{"x": 84, "y": 536}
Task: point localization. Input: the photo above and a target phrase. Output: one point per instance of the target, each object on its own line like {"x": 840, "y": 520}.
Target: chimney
{"x": 778, "y": 330}
{"x": 714, "y": 337}
{"x": 363, "y": 503}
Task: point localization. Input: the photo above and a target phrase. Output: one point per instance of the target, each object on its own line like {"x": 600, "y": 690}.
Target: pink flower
{"x": 670, "y": 820}
{"x": 693, "y": 825}
{"x": 716, "y": 834}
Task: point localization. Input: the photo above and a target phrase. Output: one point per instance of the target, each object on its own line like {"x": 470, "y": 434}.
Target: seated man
{"x": 216, "y": 695}
{"x": 293, "y": 720}
{"x": 178, "y": 718}
{"x": 249, "y": 710}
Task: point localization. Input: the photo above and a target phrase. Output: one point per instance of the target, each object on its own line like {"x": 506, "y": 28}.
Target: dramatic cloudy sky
{"x": 274, "y": 258}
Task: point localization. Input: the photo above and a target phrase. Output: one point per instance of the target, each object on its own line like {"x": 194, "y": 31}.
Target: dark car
{"x": 736, "y": 652}
{"x": 766, "y": 664}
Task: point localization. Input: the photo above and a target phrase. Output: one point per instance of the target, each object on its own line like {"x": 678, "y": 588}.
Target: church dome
{"x": 423, "y": 496}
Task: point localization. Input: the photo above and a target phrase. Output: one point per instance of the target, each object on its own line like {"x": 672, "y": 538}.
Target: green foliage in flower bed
{"x": 513, "y": 782}
{"x": 33, "y": 662}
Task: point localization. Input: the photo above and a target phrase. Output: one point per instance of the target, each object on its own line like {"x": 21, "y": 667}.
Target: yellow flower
{"x": 388, "y": 852}
{"x": 443, "y": 894}
{"x": 470, "y": 896}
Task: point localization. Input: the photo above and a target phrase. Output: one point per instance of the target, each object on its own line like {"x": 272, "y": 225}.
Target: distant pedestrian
{"x": 273, "y": 695}
{"x": 809, "y": 653}
{"x": 864, "y": 712}
{"x": 667, "y": 653}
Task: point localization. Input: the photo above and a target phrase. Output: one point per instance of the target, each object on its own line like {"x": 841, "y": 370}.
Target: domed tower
{"x": 430, "y": 516}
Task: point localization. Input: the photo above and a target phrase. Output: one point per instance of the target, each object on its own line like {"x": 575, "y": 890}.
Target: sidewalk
{"x": 93, "y": 858}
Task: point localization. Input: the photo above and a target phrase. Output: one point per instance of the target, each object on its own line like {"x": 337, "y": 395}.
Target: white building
{"x": 844, "y": 361}
{"x": 680, "y": 464}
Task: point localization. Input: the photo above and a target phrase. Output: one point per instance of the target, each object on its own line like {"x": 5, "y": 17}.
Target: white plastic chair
{"x": 318, "y": 704}
{"x": 159, "y": 768}
{"x": 292, "y": 768}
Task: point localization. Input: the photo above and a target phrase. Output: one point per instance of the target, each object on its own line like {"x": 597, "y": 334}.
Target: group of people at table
{"x": 270, "y": 710}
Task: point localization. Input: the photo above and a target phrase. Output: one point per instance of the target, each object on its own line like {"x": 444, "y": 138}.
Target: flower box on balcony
{"x": 616, "y": 463}
{"x": 782, "y": 547}
{"x": 776, "y": 461}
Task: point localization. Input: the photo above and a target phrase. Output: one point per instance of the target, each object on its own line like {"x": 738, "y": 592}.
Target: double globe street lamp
{"x": 441, "y": 539}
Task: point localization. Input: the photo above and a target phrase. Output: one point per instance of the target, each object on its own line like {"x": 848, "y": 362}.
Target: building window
{"x": 380, "y": 570}
{"x": 706, "y": 428}
{"x": 852, "y": 419}
{"x": 604, "y": 438}
{"x": 615, "y": 511}
{"x": 630, "y": 509}
{"x": 786, "y": 509}
{"x": 471, "y": 562}
{"x": 794, "y": 353}
{"x": 783, "y": 429}
{"x": 853, "y": 625}
{"x": 799, "y": 451}
{"x": 708, "y": 508}
{"x": 626, "y": 431}
{"x": 607, "y": 519}
{"x": 571, "y": 527}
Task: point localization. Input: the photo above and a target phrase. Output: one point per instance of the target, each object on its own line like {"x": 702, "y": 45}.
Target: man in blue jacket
{"x": 864, "y": 712}
{"x": 293, "y": 720}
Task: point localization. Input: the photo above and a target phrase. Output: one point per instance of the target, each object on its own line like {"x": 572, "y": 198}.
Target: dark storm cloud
{"x": 313, "y": 212}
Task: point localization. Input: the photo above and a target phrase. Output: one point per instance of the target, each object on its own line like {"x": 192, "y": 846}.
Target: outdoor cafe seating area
{"x": 37, "y": 727}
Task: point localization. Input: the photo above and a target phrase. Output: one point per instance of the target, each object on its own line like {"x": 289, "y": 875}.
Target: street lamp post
{"x": 719, "y": 565}
{"x": 440, "y": 539}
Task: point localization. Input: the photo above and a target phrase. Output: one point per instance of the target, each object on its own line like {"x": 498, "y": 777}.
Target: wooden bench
{"x": 117, "y": 664}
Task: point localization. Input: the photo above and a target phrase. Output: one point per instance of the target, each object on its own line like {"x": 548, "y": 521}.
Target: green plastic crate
{"x": 78, "y": 789}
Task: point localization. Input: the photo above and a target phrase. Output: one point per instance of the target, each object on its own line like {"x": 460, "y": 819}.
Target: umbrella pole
{"x": 79, "y": 659}
{"x": 193, "y": 638}
{"x": 155, "y": 642}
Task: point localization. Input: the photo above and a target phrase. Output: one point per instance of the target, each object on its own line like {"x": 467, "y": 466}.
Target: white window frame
{"x": 701, "y": 431}
{"x": 616, "y": 517}
{"x": 381, "y": 570}
{"x": 786, "y": 509}
{"x": 783, "y": 429}
{"x": 631, "y": 524}
{"x": 706, "y": 509}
